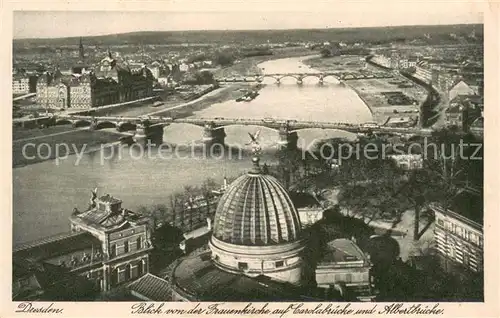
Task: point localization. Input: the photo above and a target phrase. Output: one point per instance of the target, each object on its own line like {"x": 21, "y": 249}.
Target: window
{"x": 348, "y": 278}
{"x": 143, "y": 267}
{"x": 242, "y": 266}
{"x": 279, "y": 264}
{"x": 121, "y": 274}
{"x": 125, "y": 247}
{"x": 113, "y": 250}
{"x": 134, "y": 271}
{"x": 139, "y": 242}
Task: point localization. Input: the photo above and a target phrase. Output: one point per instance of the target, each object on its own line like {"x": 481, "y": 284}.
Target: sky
{"x": 214, "y": 16}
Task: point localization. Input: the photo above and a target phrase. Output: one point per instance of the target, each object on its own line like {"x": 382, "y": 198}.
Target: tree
{"x": 224, "y": 58}
{"x": 325, "y": 52}
{"x": 200, "y": 78}
{"x": 446, "y": 169}
{"x": 288, "y": 167}
{"x": 206, "y": 189}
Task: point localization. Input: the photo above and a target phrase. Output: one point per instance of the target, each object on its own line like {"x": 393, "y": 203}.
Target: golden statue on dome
{"x": 254, "y": 143}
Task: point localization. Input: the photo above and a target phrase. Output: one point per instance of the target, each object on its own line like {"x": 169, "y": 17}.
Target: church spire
{"x": 80, "y": 49}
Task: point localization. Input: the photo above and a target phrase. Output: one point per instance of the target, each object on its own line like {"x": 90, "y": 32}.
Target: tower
{"x": 80, "y": 51}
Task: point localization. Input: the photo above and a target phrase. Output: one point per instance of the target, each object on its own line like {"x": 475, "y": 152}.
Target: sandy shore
{"x": 370, "y": 90}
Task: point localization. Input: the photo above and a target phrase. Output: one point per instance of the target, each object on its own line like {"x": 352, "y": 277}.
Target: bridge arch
{"x": 82, "y": 123}
{"x": 275, "y": 77}
{"x": 336, "y": 77}
{"x": 282, "y": 77}
{"x": 105, "y": 124}
{"x": 307, "y": 137}
{"x": 63, "y": 121}
{"x": 304, "y": 76}
{"x": 126, "y": 126}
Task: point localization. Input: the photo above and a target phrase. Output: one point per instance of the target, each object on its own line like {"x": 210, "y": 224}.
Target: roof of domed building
{"x": 256, "y": 210}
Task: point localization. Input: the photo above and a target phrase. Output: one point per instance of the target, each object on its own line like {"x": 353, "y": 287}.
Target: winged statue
{"x": 254, "y": 143}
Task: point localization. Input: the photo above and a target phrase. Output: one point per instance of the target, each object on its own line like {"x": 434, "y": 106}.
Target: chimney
{"x": 225, "y": 183}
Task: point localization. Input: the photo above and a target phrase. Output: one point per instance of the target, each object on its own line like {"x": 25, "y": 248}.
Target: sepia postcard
{"x": 262, "y": 159}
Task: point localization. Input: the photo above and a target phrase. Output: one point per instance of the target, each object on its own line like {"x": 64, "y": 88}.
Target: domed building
{"x": 259, "y": 250}
{"x": 257, "y": 229}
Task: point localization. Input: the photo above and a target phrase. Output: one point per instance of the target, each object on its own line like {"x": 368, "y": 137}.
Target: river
{"x": 46, "y": 193}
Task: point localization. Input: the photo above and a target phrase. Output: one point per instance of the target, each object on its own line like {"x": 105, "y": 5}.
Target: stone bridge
{"x": 150, "y": 127}
{"x": 299, "y": 77}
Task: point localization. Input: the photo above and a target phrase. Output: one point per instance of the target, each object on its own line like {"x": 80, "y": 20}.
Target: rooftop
{"x": 199, "y": 278}
{"x": 474, "y": 99}
{"x": 58, "y": 245}
{"x": 256, "y": 210}
{"x": 152, "y": 288}
{"x": 342, "y": 250}
{"x": 109, "y": 199}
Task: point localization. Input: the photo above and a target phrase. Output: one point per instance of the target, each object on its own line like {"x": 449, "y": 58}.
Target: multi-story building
{"x": 423, "y": 72}
{"x": 84, "y": 88}
{"x": 459, "y": 231}
{"x": 130, "y": 84}
{"x": 20, "y": 84}
{"x": 412, "y": 61}
{"x": 408, "y": 161}
{"x": 109, "y": 245}
{"x": 124, "y": 236}
{"x": 345, "y": 268}
{"x": 52, "y": 90}
{"x": 403, "y": 63}
{"x": 394, "y": 60}
{"x": 156, "y": 68}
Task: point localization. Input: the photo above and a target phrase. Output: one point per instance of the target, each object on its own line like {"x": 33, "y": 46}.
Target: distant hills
{"x": 378, "y": 34}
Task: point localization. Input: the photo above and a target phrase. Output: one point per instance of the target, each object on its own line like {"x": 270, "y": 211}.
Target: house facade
{"x": 108, "y": 246}
{"x": 109, "y": 83}
{"x": 459, "y": 231}
{"x": 20, "y": 84}
{"x": 124, "y": 236}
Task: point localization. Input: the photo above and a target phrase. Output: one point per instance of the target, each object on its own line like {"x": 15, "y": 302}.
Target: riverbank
{"x": 373, "y": 91}
{"x": 220, "y": 95}
{"x": 45, "y": 148}
{"x": 250, "y": 65}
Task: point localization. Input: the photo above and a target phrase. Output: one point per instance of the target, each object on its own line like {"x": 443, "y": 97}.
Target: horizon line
{"x": 239, "y": 30}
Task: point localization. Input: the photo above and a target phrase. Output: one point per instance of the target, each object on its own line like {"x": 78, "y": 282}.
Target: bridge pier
{"x": 299, "y": 81}
{"x": 151, "y": 133}
{"x": 93, "y": 124}
{"x": 213, "y": 135}
{"x": 287, "y": 139}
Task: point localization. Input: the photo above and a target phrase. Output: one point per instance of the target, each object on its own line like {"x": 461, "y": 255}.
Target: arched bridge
{"x": 214, "y": 127}
{"x": 299, "y": 77}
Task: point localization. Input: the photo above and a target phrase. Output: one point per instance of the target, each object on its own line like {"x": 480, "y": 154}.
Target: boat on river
{"x": 249, "y": 96}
